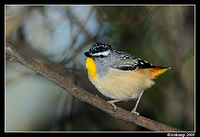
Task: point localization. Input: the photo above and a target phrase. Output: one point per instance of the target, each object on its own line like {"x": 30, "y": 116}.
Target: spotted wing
{"x": 126, "y": 61}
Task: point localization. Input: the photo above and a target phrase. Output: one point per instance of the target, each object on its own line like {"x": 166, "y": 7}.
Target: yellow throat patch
{"x": 91, "y": 67}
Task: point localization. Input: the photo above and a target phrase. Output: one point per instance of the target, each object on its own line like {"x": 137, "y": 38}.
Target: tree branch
{"x": 15, "y": 55}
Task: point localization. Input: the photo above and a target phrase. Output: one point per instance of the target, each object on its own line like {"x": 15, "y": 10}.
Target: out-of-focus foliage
{"x": 57, "y": 36}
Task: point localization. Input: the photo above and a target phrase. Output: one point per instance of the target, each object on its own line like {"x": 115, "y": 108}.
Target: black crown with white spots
{"x": 99, "y": 47}
{"x": 102, "y": 50}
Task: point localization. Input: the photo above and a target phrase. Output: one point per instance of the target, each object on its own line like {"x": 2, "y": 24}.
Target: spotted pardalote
{"x": 119, "y": 75}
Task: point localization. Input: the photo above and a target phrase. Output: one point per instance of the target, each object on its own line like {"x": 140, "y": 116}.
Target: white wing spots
{"x": 126, "y": 57}
{"x": 144, "y": 64}
{"x": 141, "y": 63}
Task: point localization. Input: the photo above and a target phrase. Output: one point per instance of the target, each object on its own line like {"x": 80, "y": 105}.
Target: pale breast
{"x": 121, "y": 84}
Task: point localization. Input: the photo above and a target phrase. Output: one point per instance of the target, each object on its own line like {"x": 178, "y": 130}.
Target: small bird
{"x": 119, "y": 75}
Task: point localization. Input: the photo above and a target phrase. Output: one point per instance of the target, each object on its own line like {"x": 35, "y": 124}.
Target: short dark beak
{"x": 87, "y": 54}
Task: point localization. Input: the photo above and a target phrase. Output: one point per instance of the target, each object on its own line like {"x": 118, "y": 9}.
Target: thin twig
{"x": 15, "y": 55}
{"x": 81, "y": 28}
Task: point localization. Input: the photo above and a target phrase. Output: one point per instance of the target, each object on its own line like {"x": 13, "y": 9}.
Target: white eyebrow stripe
{"x": 104, "y": 53}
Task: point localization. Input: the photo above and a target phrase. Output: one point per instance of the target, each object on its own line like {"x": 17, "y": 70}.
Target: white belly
{"x": 122, "y": 84}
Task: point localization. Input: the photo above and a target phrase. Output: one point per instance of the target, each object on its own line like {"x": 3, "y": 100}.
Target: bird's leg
{"x": 112, "y": 102}
{"x": 138, "y": 100}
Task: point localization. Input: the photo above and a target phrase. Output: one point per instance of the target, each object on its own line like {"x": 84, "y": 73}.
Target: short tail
{"x": 157, "y": 70}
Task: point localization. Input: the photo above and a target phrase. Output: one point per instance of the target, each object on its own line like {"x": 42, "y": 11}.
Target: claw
{"x": 134, "y": 111}
{"x": 113, "y": 104}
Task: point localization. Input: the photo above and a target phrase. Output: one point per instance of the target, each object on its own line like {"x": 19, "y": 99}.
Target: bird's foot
{"x": 112, "y": 102}
{"x": 134, "y": 111}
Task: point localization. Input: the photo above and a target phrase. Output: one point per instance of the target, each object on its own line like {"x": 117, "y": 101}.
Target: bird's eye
{"x": 101, "y": 56}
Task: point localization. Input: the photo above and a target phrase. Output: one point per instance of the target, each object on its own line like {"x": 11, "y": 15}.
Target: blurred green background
{"x": 57, "y": 37}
